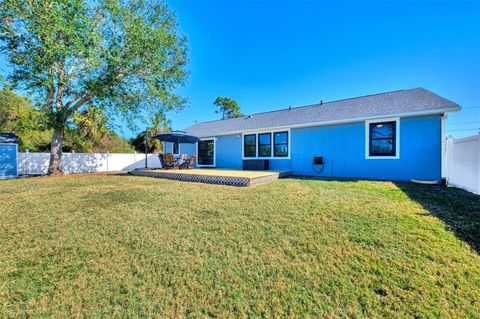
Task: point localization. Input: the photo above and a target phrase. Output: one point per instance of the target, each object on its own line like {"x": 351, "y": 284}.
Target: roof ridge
{"x": 308, "y": 105}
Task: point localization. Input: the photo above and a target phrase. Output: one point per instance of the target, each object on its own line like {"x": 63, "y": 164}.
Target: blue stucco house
{"x": 397, "y": 135}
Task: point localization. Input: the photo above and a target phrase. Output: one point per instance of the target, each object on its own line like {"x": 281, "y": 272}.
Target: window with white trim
{"x": 280, "y": 144}
{"x": 382, "y": 138}
{"x": 264, "y": 144}
{"x": 267, "y": 145}
{"x": 176, "y": 148}
{"x": 250, "y": 145}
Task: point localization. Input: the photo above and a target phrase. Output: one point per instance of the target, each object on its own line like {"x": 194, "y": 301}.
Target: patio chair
{"x": 169, "y": 161}
{"x": 189, "y": 163}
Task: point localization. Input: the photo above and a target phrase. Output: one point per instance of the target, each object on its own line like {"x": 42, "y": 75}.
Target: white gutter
{"x": 351, "y": 120}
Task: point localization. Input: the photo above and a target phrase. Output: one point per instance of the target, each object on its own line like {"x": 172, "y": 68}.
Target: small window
{"x": 264, "y": 145}
{"x": 382, "y": 139}
{"x": 176, "y": 148}
{"x": 249, "y": 145}
{"x": 280, "y": 144}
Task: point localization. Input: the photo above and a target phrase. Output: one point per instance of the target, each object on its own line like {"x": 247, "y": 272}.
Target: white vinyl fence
{"x": 37, "y": 163}
{"x": 463, "y": 163}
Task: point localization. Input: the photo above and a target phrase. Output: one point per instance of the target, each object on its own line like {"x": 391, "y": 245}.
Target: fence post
{"x": 27, "y": 163}
{"x": 72, "y": 162}
{"x": 478, "y": 165}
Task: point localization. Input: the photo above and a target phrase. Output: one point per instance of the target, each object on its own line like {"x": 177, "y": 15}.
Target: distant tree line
{"x": 88, "y": 131}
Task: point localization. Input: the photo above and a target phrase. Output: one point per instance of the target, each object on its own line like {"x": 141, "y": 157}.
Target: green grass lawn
{"x": 123, "y": 246}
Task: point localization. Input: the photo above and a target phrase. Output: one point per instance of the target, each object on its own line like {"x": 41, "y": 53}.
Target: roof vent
{"x": 289, "y": 107}
{"x": 321, "y": 102}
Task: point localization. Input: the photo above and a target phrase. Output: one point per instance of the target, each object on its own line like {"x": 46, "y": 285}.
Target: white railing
{"x": 463, "y": 163}
{"x": 30, "y": 163}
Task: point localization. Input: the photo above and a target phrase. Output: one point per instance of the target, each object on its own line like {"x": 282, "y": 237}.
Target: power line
{"x": 468, "y": 129}
{"x": 473, "y": 122}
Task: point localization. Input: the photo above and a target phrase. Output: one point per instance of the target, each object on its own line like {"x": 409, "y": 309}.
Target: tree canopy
{"x": 18, "y": 116}
{"x": 228, "y": 107}
{"x": 126, "y": 57}
{"x": 159, "y": 123}
{"x": 87, "y": 132}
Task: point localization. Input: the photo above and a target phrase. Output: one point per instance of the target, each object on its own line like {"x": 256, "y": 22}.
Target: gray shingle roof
{"x": 382, "y": 104}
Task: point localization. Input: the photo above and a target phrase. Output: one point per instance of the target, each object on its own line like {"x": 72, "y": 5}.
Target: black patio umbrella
{"x": 177, "y": 137}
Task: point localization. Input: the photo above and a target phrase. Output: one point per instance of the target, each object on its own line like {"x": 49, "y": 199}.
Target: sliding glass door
{"x": 206, "y": 153}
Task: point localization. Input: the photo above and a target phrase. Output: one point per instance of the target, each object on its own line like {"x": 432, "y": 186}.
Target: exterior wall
{"x": 229, "y": 151}
{"x": 229, "y": 154}
{"x": 183, "y": 148}
{"x": 8, "y": 160}
{"x": 343, "y": 149}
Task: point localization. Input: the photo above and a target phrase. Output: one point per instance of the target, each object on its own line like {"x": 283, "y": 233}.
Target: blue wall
{"x": 8, "y": 160}
{"x": 229, "y": 152}
{"x": 343, "y": 149}
{"x": 184, "y": 148}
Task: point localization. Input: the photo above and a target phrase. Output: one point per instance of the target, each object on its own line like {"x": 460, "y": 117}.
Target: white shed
{"x": 8, "y": 155}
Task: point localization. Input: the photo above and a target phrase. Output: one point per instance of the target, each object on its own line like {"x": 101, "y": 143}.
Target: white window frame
{"x": 179, "y": 152}
{"x": 272, "y": 132}
{"x": 214, "y": 151}
{"x": 397, "y": 138}
{"x": 171, "y": 143}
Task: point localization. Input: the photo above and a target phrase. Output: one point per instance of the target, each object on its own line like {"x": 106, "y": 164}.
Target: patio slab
{"x": 215, "y": 176}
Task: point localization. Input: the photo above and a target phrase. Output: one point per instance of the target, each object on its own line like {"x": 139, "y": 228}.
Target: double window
{"x": 382, "y": 139}
{"x": 264, "y": 145}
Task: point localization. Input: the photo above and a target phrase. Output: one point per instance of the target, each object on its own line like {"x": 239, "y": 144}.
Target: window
{"x": 249, "y": 145}
{"x": 280, "y": 144}
{"x": 382, "y": 138}
{"x": 175, "y": 148}
{"x": 264, "y": 145}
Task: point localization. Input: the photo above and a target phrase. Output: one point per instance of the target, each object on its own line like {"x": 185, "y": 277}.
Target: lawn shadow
{"x": 458, "y": 209}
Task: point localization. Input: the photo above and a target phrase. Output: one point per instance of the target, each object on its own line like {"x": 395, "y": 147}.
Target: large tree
{"x": 228, "y": 107}
{"x": 126, "y": 57}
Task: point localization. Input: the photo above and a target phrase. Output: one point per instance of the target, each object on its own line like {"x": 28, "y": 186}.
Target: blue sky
{"x": 269, "y": 55}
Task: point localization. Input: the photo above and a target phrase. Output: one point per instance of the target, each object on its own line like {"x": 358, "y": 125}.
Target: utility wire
{"x": 473, "y": 122}
{"x": 468, "y": 129}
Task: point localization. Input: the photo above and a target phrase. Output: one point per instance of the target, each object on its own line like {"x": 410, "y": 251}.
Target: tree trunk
{"x": 56, "y": 152}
